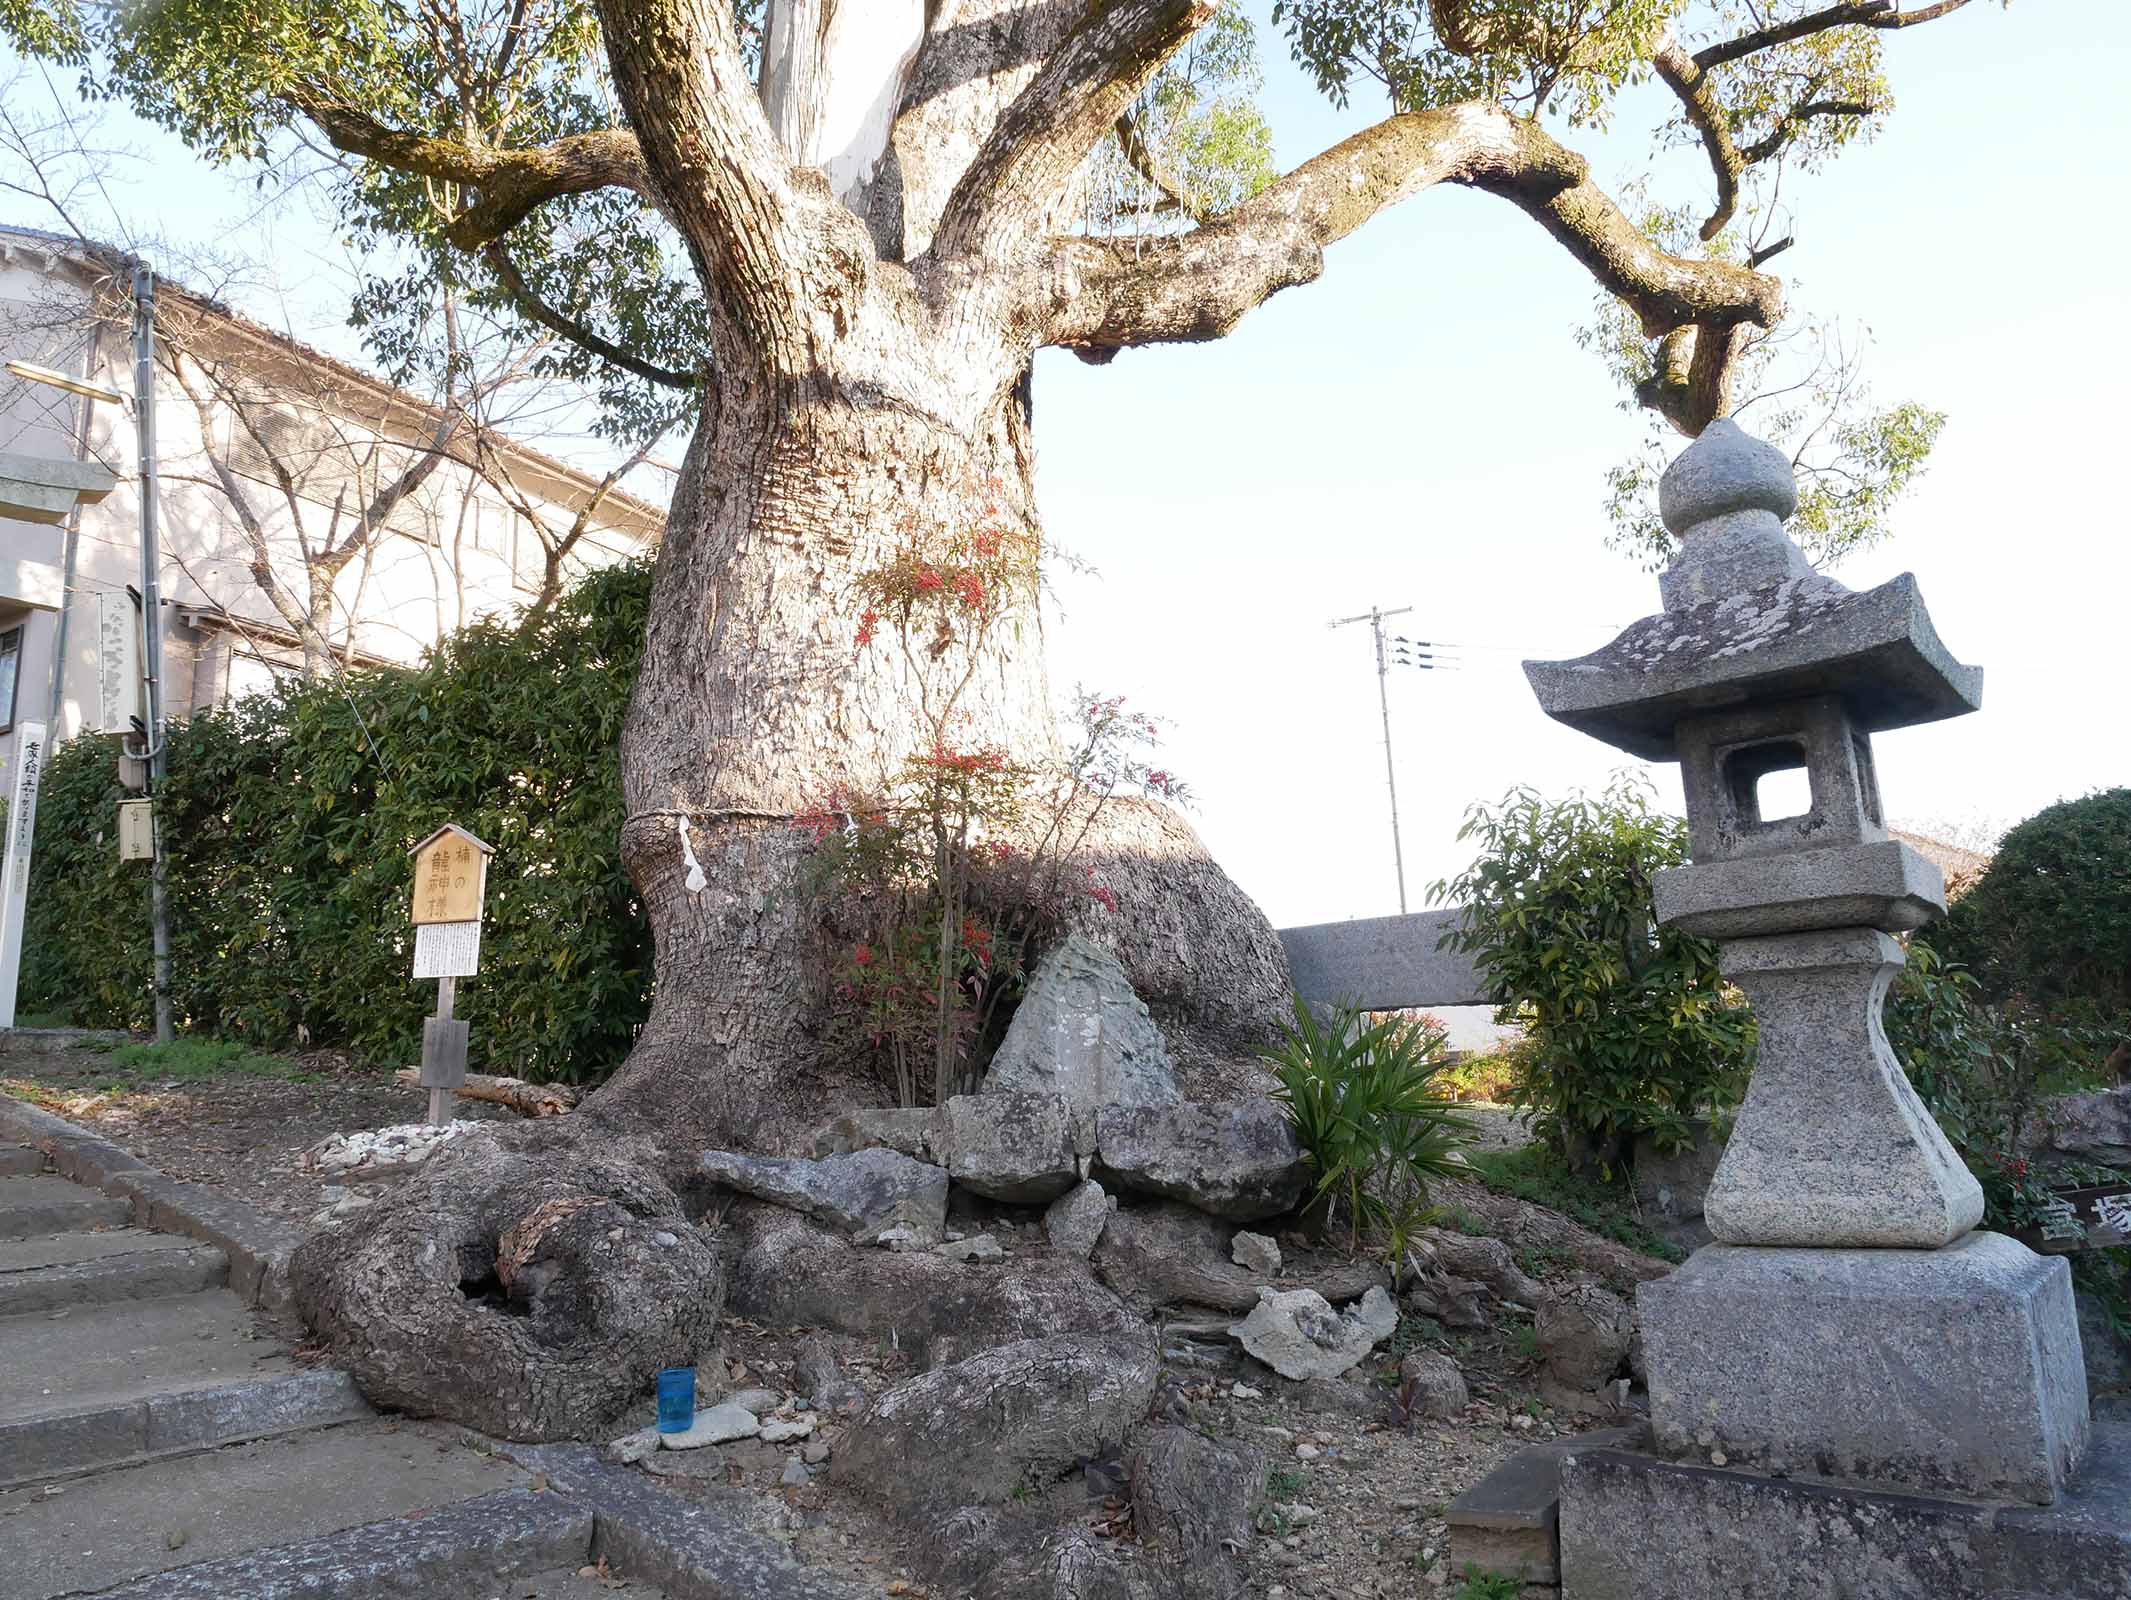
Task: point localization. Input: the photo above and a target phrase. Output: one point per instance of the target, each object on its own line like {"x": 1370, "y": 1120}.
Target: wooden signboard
{"x": 447, "y": 949}
{"x": 2094, "y": 1217}
{"x": 450, "y": 880}
{"x": 450, "y": 876}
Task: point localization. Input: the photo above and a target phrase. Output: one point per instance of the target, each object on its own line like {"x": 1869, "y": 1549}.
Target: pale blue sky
{"x": 1419, "y": 429}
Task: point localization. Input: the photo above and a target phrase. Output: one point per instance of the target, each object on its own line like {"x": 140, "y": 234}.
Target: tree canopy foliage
{"x": 352, "y": 94}
{"x": 483, "y": 143}
{"x": 1769, "y": 91}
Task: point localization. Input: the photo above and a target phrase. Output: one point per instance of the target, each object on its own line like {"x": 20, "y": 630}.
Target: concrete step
{"x": 1509, "y": 1522}
{"x": 20, "y": 1161}
{"x": 45, "y": 1204}
{"x": 49, "y": 1446}
{"x": 102, "y": 1354}
{"x": 61, "y": 1271}
{"x": 361, "y": 1511}
{"x": 96, "y": 1386}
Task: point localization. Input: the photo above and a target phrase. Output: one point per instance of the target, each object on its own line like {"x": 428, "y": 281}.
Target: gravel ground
{"x": 1354, "y": 1507}
{"x": 1496, "y": 1127}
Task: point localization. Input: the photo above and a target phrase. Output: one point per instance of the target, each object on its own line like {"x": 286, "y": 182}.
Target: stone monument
{"x": 1851, "y": 1375}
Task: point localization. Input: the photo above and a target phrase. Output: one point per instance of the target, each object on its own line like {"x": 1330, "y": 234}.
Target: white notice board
{"x": 447, "y": 949}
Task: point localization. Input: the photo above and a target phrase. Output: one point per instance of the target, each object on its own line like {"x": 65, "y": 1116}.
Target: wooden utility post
{"x": 450, "y": 884}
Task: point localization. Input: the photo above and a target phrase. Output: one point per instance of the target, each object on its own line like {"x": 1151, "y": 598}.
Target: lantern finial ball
{"x": 1724, "y": 471}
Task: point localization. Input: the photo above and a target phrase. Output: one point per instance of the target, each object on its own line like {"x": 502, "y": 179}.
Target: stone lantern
{"x": 1848, "y": 1325}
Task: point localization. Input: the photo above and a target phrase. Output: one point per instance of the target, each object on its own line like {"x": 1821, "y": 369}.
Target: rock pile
{"x": 374, "y": 1153}
{"x": 1038, "y": 1367}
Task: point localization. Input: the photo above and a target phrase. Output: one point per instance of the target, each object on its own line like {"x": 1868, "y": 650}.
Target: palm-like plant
{"x": 1362, "y": 1099}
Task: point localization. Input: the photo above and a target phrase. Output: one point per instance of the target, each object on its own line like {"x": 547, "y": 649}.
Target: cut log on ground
{"x": 527, "y": 1099}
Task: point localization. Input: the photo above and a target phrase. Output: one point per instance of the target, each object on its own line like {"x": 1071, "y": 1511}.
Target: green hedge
{"x": 287, "y": 820}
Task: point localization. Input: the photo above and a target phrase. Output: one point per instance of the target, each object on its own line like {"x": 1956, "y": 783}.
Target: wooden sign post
{"x": 450, "y": 882}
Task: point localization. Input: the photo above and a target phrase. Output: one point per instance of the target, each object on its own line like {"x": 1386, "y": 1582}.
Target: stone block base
{"x": 1634, "y": 1527}
{"x": 1505, "y": 1523}
{"x": 1953, "y": 1371}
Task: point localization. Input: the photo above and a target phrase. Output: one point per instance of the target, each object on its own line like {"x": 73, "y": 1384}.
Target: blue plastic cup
{"x": 677, "y": 1399}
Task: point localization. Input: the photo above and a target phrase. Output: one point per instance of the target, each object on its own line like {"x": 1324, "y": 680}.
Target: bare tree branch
{"x": 1110, "y": 294}
{"x": 290, "y": 606}
{"x": 511, "y": 183}
{"x": 1761, "y": 254}
{"x": 1088, "y": 83}
{"x": 1698, "y": 100}
{"x": 1772, "y": 142}
{"x": 1850, "y": 13}
{"x": 521, "y": 293}
{"x": 1148, "y": 165}
{"x": 556, "y": 548}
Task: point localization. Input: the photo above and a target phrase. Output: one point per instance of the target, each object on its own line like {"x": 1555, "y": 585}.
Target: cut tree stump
{"x": 527, "y": 1099}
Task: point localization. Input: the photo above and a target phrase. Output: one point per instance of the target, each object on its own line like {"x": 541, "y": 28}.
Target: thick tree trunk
{"x": 862, "y": 409}
{"x": 756, "y": 701}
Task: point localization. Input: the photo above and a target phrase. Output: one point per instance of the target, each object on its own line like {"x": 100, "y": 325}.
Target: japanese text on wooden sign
{"x": 450, "y": 875}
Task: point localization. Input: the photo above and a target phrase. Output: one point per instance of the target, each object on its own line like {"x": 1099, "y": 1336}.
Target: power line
{"x": 1423, "y": 655}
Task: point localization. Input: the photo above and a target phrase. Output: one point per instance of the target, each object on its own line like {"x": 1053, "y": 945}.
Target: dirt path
{"x": 245, "y": 1130}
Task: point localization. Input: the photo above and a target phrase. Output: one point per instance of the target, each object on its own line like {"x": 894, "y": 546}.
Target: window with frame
{"x": 10, "y": 674}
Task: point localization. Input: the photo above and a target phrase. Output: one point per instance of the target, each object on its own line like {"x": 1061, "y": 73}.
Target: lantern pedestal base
{"x": 1953, "y": 1371}
{"x": 1635, "y": 1526}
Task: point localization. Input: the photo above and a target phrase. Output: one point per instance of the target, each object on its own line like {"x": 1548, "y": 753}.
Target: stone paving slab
{"x": 250, "y": 1521}
{"x": 48, "y": 1204}
{"x": 148, "y": 1271}
{"x": 184, "y": 1422}
{"x": 106, "y": 1354}
{"x": 20, "y": 1161}
{"x": 59, "y": 1249}
{"x": 1506, "y": 1523}
{"x": 714, "y": 1550}
{"x": 557, "y": 1583}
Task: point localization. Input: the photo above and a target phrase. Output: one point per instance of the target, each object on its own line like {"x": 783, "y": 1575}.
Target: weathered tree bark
{"x": 527, "y": 1291}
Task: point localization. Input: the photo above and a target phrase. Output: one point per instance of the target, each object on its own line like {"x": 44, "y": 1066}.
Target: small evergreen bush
{"x": 1628, "y": 1026}
{"x": 1361, "y": 1098}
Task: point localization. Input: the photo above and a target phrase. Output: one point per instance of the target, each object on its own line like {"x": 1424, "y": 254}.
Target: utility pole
{"x": 1375, "y": 618}
{"x": 153, "y": 751}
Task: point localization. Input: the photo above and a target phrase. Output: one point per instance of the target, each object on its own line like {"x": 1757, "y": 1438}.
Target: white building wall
{"x": 455, "y": 552}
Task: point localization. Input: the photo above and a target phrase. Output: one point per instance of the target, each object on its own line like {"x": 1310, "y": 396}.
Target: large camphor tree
{"x": 884, "y": 211}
